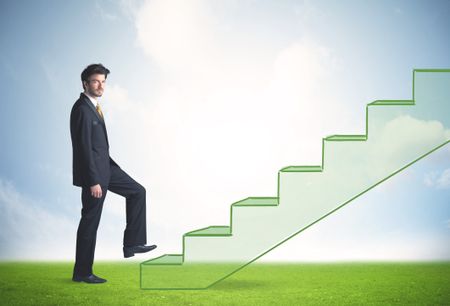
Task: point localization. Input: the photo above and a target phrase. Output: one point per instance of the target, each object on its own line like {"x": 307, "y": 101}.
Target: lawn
{"x": 49, "y": 283}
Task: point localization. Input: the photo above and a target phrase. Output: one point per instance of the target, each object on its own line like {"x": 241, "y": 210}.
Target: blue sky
{"x": 203, "y": 107}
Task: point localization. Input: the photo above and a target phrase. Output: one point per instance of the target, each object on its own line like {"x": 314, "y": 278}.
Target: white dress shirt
{"x": 92, "y": 99}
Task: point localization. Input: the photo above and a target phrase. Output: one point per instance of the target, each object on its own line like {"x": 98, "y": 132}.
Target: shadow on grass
{"x": 65, "y": 280}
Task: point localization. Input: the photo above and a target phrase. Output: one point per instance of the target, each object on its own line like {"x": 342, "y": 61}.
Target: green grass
{"x": 25, "y": 283}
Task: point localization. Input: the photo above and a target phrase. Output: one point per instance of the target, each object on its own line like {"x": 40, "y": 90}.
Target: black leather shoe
{"x": 91, "y": 279}
{"x": 130, "y": 251}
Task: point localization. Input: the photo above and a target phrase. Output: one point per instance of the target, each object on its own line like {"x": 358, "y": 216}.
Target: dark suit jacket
{"x": 90, "y": 147}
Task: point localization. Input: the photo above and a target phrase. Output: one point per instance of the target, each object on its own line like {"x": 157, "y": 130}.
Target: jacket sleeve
{"x": 84, "y": 131}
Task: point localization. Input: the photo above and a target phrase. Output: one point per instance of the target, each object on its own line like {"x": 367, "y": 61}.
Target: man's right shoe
{"x": 91, "y": 279}
{"x": 129, "y": 251}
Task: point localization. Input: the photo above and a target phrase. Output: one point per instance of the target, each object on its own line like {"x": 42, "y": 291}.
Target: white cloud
{"x": 103, "y": 13}
{"x": 302, "y": 65}
{"x": 227, "y": 115}
{"x": 325, "y": 245}
{"x": 438, "y": 179}
{"x": 443, "y": 182}
{"x": 31, "y": 229}
{"x": 130, "y": 8}
{"x": 117, "y": 101}
{"x": 374, "y": 227}
{"x": 177, "y": 34}
{"x": 400, "y": 140}
{"x": 413, "y": 132}
{"x": 230, "y": 93}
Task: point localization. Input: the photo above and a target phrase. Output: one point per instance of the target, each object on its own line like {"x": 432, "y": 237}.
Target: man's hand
{"x": 96, "y": 191}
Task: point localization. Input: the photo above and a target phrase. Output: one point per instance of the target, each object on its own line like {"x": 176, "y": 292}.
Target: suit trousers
{"x": 135, "y": 232}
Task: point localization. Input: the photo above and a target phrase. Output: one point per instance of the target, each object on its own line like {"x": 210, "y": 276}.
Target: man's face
{"x": 95, "y": 85}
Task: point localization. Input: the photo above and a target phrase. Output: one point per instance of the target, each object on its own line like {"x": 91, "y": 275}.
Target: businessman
{"x": 96, "y": 173}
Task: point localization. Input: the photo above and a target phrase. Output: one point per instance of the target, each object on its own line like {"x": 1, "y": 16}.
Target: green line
{"x": 183, "y": 239}
{"x": 214, "y": 230}
{"x": 326, "y": 215}
{"x": 231, "y": 220}
{"x": 392, "y": 102}
{"x": 145, "y": 262}
{"x": 323, "y": 154}
{"x": 431, "y": 70}
{"x": 302, "y": 169}
{"x": 367, "y": 121}
{"x": 257, "y": 202}
{"x": 278, "y": 186}
{"x": 168, "y": 259}
{"x": 346, "y": 138}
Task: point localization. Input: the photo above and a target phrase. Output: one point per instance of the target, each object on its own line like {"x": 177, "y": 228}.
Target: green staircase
{"x": 351, "y": 166}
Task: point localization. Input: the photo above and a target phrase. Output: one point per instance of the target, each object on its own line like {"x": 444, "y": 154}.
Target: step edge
{"x": 391, "y": 102}
{"x": 306, "y": 169}
{"x": 239, "y": 203}
{"x": 346, "y": 137}
{"x": 148, "y": 262}
{"x": 192, "y": 233}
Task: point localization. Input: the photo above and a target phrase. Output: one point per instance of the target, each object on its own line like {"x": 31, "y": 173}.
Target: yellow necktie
{"x": 99, "y": 110}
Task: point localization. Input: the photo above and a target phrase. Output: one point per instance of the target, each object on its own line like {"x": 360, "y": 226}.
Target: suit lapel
{"x": 92, "y": 107}
{"x": 82, "y": 95}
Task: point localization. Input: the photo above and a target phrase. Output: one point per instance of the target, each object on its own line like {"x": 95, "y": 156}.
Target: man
{"x": 95, "y": 172}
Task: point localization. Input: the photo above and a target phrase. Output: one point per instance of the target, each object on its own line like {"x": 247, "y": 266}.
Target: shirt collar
{"x": 92, "y": 99}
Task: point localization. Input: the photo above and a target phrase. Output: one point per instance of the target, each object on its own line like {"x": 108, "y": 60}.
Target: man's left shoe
{"x": 90, "y": 279}
{"x": 131, "y": 250}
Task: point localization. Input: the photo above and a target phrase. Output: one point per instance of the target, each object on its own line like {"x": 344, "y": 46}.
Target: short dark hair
{"x": 93, "y": 69}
